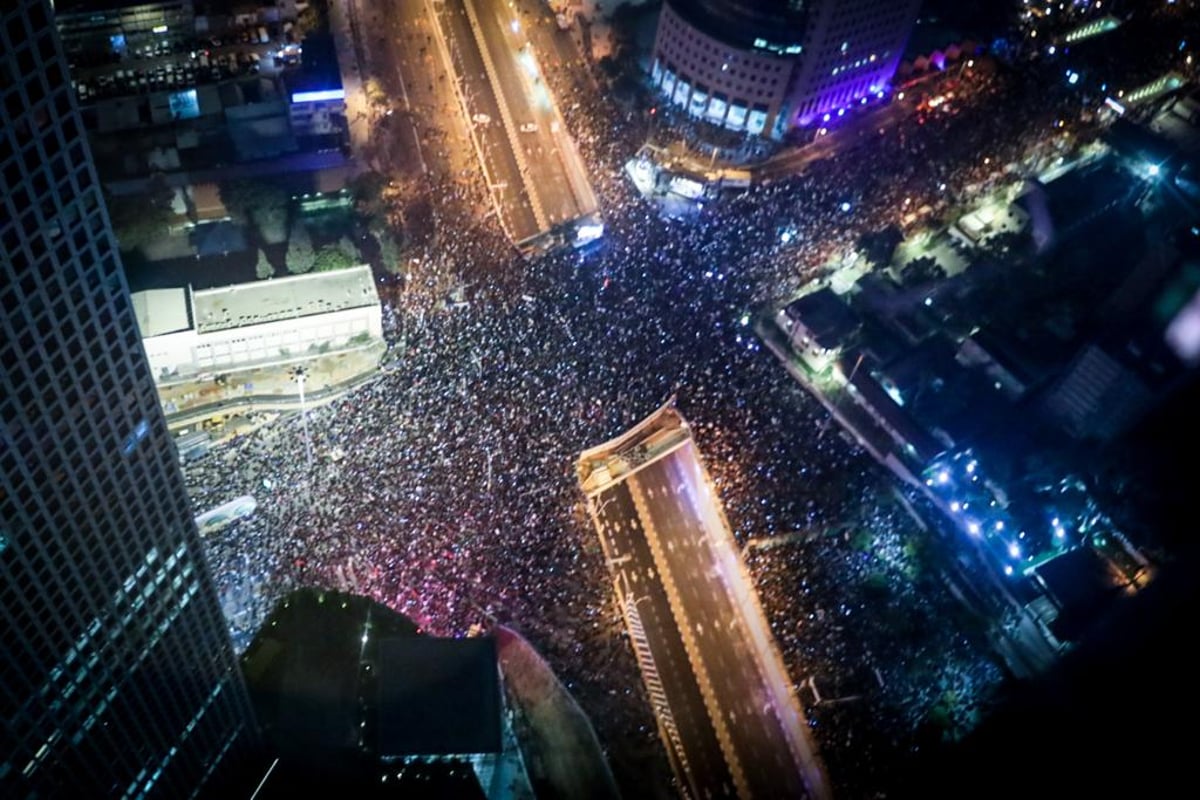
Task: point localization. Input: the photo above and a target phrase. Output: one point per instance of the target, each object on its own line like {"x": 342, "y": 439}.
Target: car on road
{"x": 529, "y": 127}
{"x": 482, "y": 119}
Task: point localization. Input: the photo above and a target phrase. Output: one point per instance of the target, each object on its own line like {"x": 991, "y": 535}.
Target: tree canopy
{"x": 263, "y": 268}
{"x": 329, "y": 259}
{"x": 247, "y": 199}
{"x": 300, "y": 254}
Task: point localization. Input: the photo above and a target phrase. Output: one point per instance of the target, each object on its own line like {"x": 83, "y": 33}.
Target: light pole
{"x": 300, "y": 375}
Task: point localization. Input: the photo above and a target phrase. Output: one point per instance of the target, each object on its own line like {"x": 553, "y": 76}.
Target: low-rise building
{"x": 818, "y": 325}
{"x": 317, "y": 101}
{"x": 94, "y": 30}
{"x": 1099, "y": 396}
{"x": 189, "y": 334}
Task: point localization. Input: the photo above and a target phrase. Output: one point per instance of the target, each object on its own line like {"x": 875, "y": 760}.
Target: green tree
{"x": 329, "y": 259}
{"x": 300, "y": 255}
{"x": 141, "y": 219}
{"x": 137, "y": 224}
{"x": 376, "y": 96}
{"x": 922, "y": 270}
{"x": 879, "y": 246}
{"x": 272, "y": 224}
{"x": 243, "y": 197}
{"x": 263, "y": 203}
{"x": 348, "y": 249}
{"x": 310, "y": 20}
{"x": 263, "y": 268}
{"x": 389, "y": 252}
{"x": 367, "y": 187}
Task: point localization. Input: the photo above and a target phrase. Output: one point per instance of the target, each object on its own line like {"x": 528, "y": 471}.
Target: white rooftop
{"x": 161, "y": 311}
{"x": 283, "y": 298}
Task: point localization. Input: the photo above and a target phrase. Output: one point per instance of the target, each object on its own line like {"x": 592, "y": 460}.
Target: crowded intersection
{"x": 445, "y": 488}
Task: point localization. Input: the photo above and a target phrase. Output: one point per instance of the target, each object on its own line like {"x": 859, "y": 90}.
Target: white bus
{"x": 226, "y": 514}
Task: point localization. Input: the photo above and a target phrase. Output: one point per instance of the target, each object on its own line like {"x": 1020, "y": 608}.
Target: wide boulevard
{"x": 670, "y": 549}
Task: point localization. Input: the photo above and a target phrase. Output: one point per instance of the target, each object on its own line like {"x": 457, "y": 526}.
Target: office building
{"x": 118, "y": 29}
{"x": 767, "y": 67}
{"x": 260, "y": 324}
{"x": 118, "y": 677}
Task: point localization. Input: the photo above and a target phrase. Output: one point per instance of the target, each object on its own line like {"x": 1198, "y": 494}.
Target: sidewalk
{"x": 268, "y": 387}
{"x": 358, "y": 114}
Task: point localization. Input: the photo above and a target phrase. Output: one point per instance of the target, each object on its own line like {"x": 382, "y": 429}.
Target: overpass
{"x": 725, "y": 706}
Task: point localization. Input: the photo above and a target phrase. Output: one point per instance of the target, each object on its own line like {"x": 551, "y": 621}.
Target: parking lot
{"x": 236, "y": 54}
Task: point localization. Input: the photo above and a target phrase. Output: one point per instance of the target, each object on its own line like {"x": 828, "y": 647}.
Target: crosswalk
{"x": 658, "y": 696}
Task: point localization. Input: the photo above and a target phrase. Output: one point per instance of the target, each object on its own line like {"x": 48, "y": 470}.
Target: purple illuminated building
{"x": 765, "y": 67}
{"x": 118, "y": 677}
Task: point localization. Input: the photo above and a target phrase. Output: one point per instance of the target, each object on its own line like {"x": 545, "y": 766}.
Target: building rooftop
{"x": 924, "y": 446}
{"x": 438, "y": 696}
{"x": 62, "y": 7}
{"x": 741, "y": 22}
{"x": 824, "y": 314}
{"x": 1067, "y": 204}
{"x": 1138, "y": 141}
{"x": 161, "y": 311}
{"x": 319, "y": 70}
{"x": 283, "y": 298}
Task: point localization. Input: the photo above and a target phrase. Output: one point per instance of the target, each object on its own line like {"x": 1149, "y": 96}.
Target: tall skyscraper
{"x": 117, "y": 677}
{"x": 766, "y": 66}
{"x": 851, "y": 51}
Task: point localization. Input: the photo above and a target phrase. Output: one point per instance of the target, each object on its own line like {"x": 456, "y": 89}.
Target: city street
{"x": 518, "y": 214}
{"x": 653, "y": 507}
{"x": 699, "y": 758}
{"x": 477, "y": 79}
{"x": 444, "y": 488}
{"x": 556, "y": 175}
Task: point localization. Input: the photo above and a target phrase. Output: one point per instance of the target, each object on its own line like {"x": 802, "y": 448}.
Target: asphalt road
{"x": 500, "y": 163}
{"x": 860, "y": 131}
{"x": 741, "y": 731}
{"x": 633, "y": 567}
{"x": 518, "y": 70}
{"x": 398, "y": 46}
{"x": 686, "y": 520}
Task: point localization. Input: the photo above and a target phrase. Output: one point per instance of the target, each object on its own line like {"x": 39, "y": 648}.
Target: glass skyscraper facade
{"x": 768, "y": 66}
{"x": 117, "y": 676}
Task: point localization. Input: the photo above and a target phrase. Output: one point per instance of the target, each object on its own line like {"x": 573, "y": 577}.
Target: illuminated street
{"x": 664, "y": 399}
{"x": 455, "y": 501}
{"x": 445, "y": 489}
{"x": 649, "y": 484}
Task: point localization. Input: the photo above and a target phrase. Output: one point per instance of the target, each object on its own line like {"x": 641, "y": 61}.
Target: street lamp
{"x": 300, "y": 376}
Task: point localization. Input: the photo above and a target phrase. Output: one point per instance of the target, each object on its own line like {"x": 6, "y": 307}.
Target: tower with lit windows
{"x": 851, "y": 51}
{"x": 767, "y": 66}
{"x": 118, "y": 678}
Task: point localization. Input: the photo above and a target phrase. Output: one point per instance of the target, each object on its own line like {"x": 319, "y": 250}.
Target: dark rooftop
{"x": 923, "y": 443}
{"x": 741, "y": 22}
{"x": 1065, "y": 205}
{"x": 1138, "y": 141}
{"x": 829, "y": 319}
{"x": 1080, "y": 586}
{"x": 438, "y": 696}
{"x": 318, "y": 66}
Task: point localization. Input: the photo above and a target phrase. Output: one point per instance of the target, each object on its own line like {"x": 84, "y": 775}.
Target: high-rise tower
{"x": 117, "y": 677}
{"x": 765, "y": 67}
{"x": 851, "y": 51}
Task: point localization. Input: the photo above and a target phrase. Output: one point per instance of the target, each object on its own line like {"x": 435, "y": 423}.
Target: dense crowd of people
{"x": 446, "y": 489}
